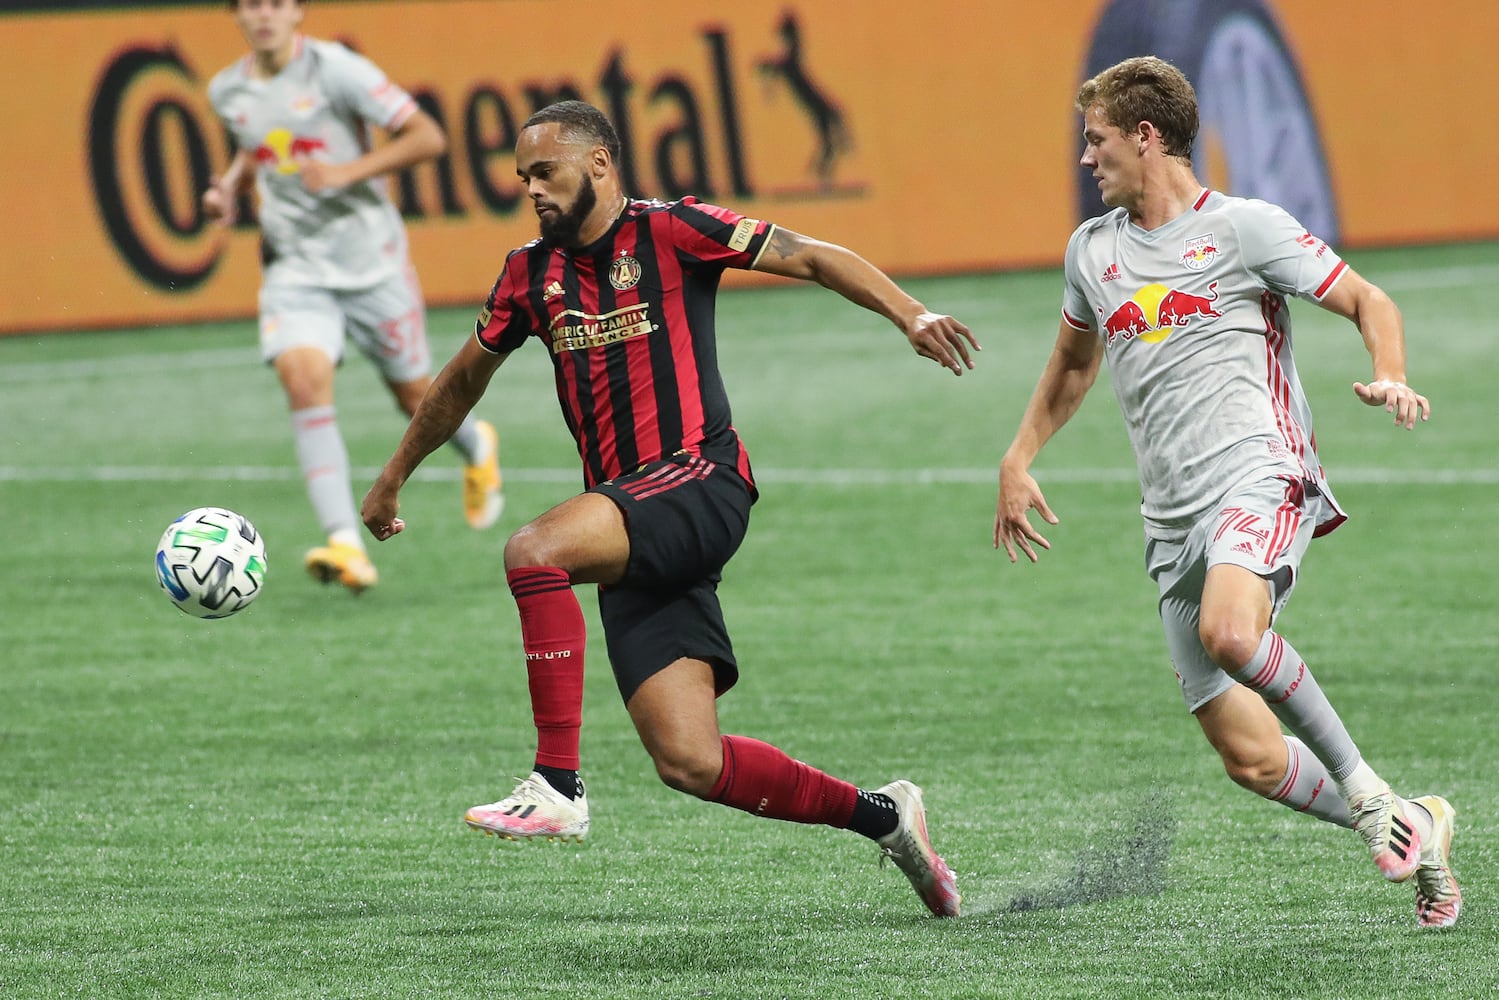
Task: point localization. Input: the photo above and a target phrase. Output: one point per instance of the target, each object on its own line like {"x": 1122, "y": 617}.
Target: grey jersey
{"x": 1197, "y": 334}
{"x": 320, "y": 106}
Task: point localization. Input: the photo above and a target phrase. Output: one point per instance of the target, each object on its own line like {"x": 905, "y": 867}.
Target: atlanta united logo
{"x": 625, "y": 273}
{"x": 1199, "y": 252}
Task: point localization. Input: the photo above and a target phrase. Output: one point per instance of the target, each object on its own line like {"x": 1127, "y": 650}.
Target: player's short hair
{"x": 580, "y": 121}
{"x": 1146, "y": 89}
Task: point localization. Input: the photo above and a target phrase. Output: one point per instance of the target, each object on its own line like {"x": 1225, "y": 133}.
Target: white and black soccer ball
{"x": 211, "y": 562}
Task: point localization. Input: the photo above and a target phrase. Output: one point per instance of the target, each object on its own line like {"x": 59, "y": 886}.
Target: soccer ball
{"x": 211, "y": 562}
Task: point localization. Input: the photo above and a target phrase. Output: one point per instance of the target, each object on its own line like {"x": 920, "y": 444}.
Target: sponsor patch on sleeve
{"x": 484, "y": 316}
{"x": 743, "y": 233}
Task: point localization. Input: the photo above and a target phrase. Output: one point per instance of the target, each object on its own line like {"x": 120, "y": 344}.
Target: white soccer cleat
{"x": 1438, "y": 898}
{"x": 911, "y": 850}
{"x": 534, "y": 809}
{"x": 1393, "y": 840}
{"x": 482, "y": 500}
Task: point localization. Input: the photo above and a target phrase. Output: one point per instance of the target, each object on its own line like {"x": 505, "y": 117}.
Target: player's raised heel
{"x": 1394, "y": 842}
{"x": 534, "y": 810}
{"x": 337, "y": 562}
{"x": 1438, "y": 898}
{"x": 482, "y": 500}
{"x": 911, "y": 850}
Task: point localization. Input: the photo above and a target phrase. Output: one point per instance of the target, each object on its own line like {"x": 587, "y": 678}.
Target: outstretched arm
{"x": 932, "y": 335}
{"x": 1069, "y": 374}
{"x": 1379, "y": 323}
{"x": 451, "y": 396}
{"x": 418, "y": 138}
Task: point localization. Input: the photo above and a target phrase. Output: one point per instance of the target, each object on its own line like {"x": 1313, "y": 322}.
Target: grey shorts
{"x": 387, "y": 323}
{"x": 1264, "y": 527}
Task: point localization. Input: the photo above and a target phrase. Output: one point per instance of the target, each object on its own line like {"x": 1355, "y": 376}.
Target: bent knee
{"x": 1231, "y": 644}
{"x": 1261, "y": 773}
{"x": 408, "y": 395}
{"x": 528, "y": 547}
{"x": 693, "y": 773}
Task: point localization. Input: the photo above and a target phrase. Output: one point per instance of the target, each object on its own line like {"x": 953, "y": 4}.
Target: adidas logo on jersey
{"x": 1111, "y": 273}
{"x": 552, "y": 290}
{"x": 1245, "y": 547}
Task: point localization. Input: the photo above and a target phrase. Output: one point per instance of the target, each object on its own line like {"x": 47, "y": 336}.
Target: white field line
{"x": 23, "y": 372}
{"x": 14, "y": 373}
{"x": 767, "y": 476}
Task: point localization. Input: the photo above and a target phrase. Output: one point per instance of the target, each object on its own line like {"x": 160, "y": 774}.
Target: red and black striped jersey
{"x": 630, "y": 322}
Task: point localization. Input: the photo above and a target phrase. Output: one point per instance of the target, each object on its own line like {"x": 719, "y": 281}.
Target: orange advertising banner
{"x": 932, "y": 138}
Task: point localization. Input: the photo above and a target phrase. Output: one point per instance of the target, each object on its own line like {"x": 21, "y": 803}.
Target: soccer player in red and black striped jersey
{"x": 622, "y": 292}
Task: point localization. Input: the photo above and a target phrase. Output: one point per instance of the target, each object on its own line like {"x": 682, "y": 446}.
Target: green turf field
{"x": 270, "y": 806}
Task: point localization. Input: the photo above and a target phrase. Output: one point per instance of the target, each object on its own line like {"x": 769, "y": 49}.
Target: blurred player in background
{"x": 1183, "y": 290}
{"x": 622, "y": 292}
{"x": 334, "y": 253}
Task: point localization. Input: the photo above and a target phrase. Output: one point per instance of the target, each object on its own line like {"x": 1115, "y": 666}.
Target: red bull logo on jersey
{"x": 1199, "y": 252}
{"x": 282, "y": 150}
{"x": 1155, "y": 311}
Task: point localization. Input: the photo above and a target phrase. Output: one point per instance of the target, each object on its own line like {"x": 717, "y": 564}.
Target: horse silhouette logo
{"x": 828, "y": 121}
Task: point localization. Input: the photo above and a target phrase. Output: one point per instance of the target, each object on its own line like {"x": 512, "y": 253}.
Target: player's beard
{"x": 563, "y": 228}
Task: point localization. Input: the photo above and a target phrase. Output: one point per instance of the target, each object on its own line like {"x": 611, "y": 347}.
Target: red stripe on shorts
{"x": 661, "y": 480}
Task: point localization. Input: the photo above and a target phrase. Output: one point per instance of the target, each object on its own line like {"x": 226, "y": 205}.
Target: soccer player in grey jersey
{"x": 334, "y": 252}
{"x": 1183, "y": 291}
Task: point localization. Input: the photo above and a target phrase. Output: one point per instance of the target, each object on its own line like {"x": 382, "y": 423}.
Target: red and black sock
{"x": 758, "y": 778}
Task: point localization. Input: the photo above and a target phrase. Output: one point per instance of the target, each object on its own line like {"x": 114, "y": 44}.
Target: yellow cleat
{"x": 346, "y": 564}
{"x": 482, "y": 499}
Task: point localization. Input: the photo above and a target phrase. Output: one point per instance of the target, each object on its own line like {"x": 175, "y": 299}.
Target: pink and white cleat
{"x": 1438, "y": 898}
{"x": 534, "y": 809}
{"x": 1394, "y": 842}
{"x": 911, "y": 850}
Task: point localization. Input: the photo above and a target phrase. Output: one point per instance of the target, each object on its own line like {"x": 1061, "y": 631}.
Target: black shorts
{"x": 685, "y": 517}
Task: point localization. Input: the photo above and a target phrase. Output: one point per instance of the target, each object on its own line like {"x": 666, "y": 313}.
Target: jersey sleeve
{"x": 364, "y": 89}
{"x": 712, "y": 236}
{"x": 1076, "y": 312}
{"x": 221, "y": 97}
{"x": 1284, "y": 256}
{"x": 218, "y": 93}
{"x": 504, "y": 323}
